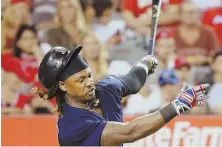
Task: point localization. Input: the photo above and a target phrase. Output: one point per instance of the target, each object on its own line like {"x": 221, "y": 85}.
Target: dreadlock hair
{"x": 54, "y": 92}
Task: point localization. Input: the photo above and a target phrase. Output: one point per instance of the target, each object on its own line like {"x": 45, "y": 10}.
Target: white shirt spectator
{"x": 215, "y": 94}
{"x": 105, "y": 32}
{"x": 136, "y": 104}
{"x": 205, "y": 4}
{"x": 154, "y": 99}
{"x": 119, "y": 68}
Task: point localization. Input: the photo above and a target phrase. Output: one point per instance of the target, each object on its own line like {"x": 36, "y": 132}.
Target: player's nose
{"x": 90, "y": 83}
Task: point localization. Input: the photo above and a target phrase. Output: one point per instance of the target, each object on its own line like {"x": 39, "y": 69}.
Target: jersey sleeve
{"x": 84, "y": 132}
{"x": 114, "y": 84}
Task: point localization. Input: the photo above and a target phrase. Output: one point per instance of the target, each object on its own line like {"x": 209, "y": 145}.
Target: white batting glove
{"x": 149, "y": 63}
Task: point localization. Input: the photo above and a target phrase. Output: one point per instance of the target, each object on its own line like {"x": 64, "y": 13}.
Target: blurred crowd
{"x": 115, "y": 36}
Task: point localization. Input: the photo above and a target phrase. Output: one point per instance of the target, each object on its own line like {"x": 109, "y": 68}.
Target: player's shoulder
{"x": 108, "y": 81}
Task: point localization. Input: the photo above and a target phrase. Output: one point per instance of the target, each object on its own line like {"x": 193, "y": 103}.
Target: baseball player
{"x": 91, "y": 114}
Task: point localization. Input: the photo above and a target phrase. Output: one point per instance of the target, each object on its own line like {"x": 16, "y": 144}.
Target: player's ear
{"x": 62, "y": 86}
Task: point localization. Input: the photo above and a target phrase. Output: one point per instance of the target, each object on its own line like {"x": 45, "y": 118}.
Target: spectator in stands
{"x": 4, "y": 5}
{"x": 70, "y": 18}
{"x": 132, "y": 14}
{"x": 106, "y": 34}
{"x": 215, "y": 103}
{"x": 12, "y": 102}
{"x": 137, "y": 14}
{"x": 165, "y": 53}
{"x": 41, "y": 107}
{"x": 89, "y": 11}
{"x": 117, "y": 6}
{"x": 53, "y": 38}
{"x": 95, "y": 55}
{"x": 206, "y": 4}
{"x": 194, "y": 40}
{"x": 43, "y": 12}
{"x": 103, "y": 11}
{"x": 17, "y": 13}
{"x": 165, "y": 48}
{"x": 21, "y": 66}
{"x": 26, "y": 54}
{"x": 163, "y": 95}
{"x": 182, "y": 68}
{"x": 17, "y": 100}
{"x": 183, "y": 71}
{"x": 213, "y": 18}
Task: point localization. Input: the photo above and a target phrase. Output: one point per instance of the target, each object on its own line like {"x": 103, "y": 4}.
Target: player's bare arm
{"x": 118, "y": 133}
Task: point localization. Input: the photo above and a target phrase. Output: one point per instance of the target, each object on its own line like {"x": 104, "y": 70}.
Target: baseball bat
{"x": 156, "y": 6}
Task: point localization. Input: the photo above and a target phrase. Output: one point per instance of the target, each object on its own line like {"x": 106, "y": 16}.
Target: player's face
{"x": 80, "y": 85}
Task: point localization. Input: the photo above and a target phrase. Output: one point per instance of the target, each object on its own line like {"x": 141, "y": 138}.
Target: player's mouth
{"x": 91, "y": 90}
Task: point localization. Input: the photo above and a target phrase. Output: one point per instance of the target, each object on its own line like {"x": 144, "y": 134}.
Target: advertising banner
{"x": 185, "y": 131}
{"x": 182, "y": 131}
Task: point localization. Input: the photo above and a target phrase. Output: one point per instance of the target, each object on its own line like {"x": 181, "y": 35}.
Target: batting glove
{"x": 149, "y": 63}
{"x": 191, "y": 97}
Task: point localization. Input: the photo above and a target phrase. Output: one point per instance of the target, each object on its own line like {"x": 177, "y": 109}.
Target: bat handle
{"x": 150, "y": 48}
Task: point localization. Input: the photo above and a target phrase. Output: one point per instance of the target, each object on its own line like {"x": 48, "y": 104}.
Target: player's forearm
{"x": 116, "y": 133}
{"x": 145, "y": 126}
{"x": 149, "y": 124}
